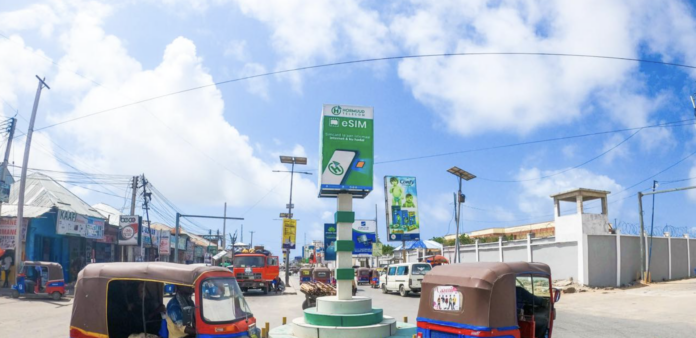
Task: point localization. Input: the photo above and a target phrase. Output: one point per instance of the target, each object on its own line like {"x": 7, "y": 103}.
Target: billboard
{"x": 364, "y": 235}
{"x": 329, "y": 239}
{"x": 347, "y": 150}
{"x": 164, "y": 248}
{"x": 129, "y": 230}
{"x": 8, "y": 231}
{"x": 401, "y": 201}
{"x": 72, "y": 223}
{"x": 289, "y": 233}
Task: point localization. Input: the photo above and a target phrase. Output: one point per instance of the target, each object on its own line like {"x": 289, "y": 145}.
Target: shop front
{"x": 106, "y": 249}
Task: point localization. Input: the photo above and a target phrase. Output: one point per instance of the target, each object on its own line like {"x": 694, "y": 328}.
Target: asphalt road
{"x": 662, "y": 310}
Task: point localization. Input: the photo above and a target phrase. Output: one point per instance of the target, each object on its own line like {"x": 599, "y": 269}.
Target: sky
{"x": 150, "y": 87}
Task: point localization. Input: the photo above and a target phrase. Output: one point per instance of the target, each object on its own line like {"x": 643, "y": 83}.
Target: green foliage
{"x": 387, "y": 249}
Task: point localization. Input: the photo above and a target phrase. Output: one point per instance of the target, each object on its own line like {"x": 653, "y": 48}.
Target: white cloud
{"x": 534, "y": 196}
{"x": 237, "y": 50}
{"x": 257, "y": 86}
{"x": 37, "y": 16}
{"x": 325, "y": 30}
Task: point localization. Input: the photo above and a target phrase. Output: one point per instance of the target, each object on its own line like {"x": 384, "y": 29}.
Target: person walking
{"x": 6, "y": 265}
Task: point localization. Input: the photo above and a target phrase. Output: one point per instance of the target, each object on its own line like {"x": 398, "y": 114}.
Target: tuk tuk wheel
{"x": 15, "y": 294}
{"x": 305, "y": 304}
{"x": 265, "y": 290}
{"x": 402, "y": 291}
{"x": 384, "y": 288}
{"x": 56, "y": 295}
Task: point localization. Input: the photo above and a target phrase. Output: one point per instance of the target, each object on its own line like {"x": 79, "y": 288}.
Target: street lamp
{"x": 290, "y": 160}
{"x": 467, "y": 176}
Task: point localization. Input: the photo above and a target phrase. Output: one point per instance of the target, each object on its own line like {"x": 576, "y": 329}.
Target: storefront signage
{"x": 72, "y": 223}
{"x": 198, "y": 251}
{"x": 402, "y": 208}
{"x": 329, "y": 240}
{"x": 347, "y": 151}
{"x": 364, "y": 235}
{"x": 129, "y": 230}
{"x": 150, "y": 236}
{"x": 189, "y": 253}
{"x": 289, "y": 233}
{"x": 164, "y": 248}
{"x": 8, "y": 231}
{"x": 182, "y": 243}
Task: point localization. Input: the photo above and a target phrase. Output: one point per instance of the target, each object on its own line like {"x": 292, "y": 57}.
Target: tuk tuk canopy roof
{"x": 55, "y": 270}
{"x": 92, "y": 287}
{"x": 488, "y": 295}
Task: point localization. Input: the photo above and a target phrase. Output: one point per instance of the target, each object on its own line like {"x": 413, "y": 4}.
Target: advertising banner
{"x": 402, "y": 208}
{"x": 347, "y": 151}
{"x": 72, "y": 223}
{"x": 188, "y": 254}
{"x": 150, "y": 236}
{"x": 182, "y": 242}
{"x": 376, "y": 249}
{"x": 289, "y": 233}
{"x": 129, "y": 230}
{"x": 94, "y": 228}
{"x": 329, "y": 240}
{"x": 364, "y": 234}
{"x": 164, "y": 248}
{"x": 8, "y": 230}
{"x": 447, "y": 298}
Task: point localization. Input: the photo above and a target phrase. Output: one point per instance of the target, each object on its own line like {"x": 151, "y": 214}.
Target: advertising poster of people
{"x": 8, "y": 230}
{"x": 164, "y": 242}
{"x": 329, "y": 240}
{"x": 289, "y": 233}
{"x": 447, "y": 298}
{"x": 363, "y": 237}
{"x": 402, "y": 208}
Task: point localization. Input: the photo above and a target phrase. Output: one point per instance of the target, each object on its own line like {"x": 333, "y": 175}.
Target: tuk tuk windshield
{"x": 249, "y": 261}
{"x": 222, "y": 301}
{"x": 420, "y": 269}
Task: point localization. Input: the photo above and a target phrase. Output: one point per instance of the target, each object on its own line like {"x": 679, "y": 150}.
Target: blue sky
{"x": 221, "y": 143}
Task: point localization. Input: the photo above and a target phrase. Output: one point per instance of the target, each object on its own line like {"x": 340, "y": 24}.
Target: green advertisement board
{"x": 402, "y": 208}
{"x": 347, "y": 150}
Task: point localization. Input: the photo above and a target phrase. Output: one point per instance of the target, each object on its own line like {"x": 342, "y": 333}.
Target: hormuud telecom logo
{"x": 338, "y": 110}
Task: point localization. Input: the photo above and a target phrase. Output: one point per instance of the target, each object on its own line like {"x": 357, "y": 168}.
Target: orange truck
{"x": 255, "y": 269}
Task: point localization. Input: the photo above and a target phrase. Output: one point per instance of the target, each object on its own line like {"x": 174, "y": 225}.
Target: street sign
{"x": 347, "y": 151}
{"x": 285, "y": 215}
{"x": 290, "y": 206}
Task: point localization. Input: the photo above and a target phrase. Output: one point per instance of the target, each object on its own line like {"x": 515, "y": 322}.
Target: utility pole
{"x": 251, "y": 245}
{"x": 23, "y": 178}
{"x": 146, "y": 199}
{"x": 242, "y": 237}
{"x": 652, "y": 223}
{"x": 463, "y": 175}
{"x": 134, "y": 187}
{"x": 10, "y": 130}
{"x": 224, "y": 228}
{"x": 178, "y": 228}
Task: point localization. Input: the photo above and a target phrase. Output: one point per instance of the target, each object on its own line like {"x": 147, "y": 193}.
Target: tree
{"x": 387, "y": 250}
{"x": 464, "y": 239}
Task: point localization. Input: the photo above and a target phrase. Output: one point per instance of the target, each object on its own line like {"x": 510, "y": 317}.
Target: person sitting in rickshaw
{"x": 175, "y": 317}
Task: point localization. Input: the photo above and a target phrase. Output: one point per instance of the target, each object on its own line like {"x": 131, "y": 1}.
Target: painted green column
{"x": 344, "y": 258}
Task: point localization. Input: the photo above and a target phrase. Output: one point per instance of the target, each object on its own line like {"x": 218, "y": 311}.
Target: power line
{"x": 565, "y": 170}
{"x": 351, "y": 62}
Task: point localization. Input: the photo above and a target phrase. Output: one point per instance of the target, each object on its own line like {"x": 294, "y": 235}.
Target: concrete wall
{"x": 489, "y": 255}
{"x": 515, "y": 254}
{"x": 560, "y": 256}
{"x": 692, "y": 246}
{"x": 630, "y": 259}
{"x": 659, "y": 266}
{"x": 601, "y": 254}
{"x": 680, "y": 261}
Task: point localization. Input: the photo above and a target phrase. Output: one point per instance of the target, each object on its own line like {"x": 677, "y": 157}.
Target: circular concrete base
{"x": 331, "y": 305}
{"x": 374, "y": 316}
{"x": 386, "y": 328}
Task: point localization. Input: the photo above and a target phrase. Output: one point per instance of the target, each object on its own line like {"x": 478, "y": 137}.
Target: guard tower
{"x": 571, "y": 226}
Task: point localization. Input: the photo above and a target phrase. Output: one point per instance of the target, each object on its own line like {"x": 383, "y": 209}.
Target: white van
{"x": 404, "y": 277}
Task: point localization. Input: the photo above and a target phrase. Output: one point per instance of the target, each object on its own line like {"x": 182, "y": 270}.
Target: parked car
{"x": 404, "y": 278}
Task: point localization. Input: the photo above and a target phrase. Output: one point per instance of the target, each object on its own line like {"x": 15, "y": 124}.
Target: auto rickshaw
{"x": 39, "y": 280}
{"x": 305, "y": 275}
{"x": 374, "y": 281}
{"x": 488, "y": 300}
{"x": 363, "y": 275}
{"x": 120, "y": 299}
{"x": 321, "y": 274}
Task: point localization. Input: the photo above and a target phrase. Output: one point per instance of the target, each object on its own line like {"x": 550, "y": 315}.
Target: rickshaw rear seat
{"x": 527, "y": 327}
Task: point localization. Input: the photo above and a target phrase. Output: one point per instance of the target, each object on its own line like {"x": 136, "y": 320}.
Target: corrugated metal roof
{"x": 30, "y": 211}
{"x": 43, "y": 191}
{"x": 110, "y": 213}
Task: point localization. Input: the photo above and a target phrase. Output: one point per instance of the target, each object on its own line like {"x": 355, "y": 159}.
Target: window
{"x": 322, "y": 274}
{"x": 222, "y": 301}
{"x": 392, "y": 271}
{"x": 272, "y": 261}
{"x": 249, "y": 262}
{"x": 421, "y": 269}
{"x": 401, "y": 271}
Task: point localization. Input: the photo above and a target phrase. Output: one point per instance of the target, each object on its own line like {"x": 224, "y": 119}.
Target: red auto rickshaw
{"x": 513, "y": 300}
{"x": 120, "y": 299}
{"x": 321, "y": 274}
{"x": 39, "y": 280}
{"x": 363, "y": 275}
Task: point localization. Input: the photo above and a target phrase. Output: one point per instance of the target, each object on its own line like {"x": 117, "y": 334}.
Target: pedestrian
{"x": 6, "y": 266}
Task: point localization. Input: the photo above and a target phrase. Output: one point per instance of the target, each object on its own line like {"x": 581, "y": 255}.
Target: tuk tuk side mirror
{"x": 187, "y": 313}
{"x": 556, "y": 295}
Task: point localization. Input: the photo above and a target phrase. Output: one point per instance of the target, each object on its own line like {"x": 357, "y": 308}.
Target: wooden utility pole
{"x": 23, "y": 178}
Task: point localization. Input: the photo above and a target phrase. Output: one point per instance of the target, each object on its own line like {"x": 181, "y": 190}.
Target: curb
{"x": 289, "y": 290}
